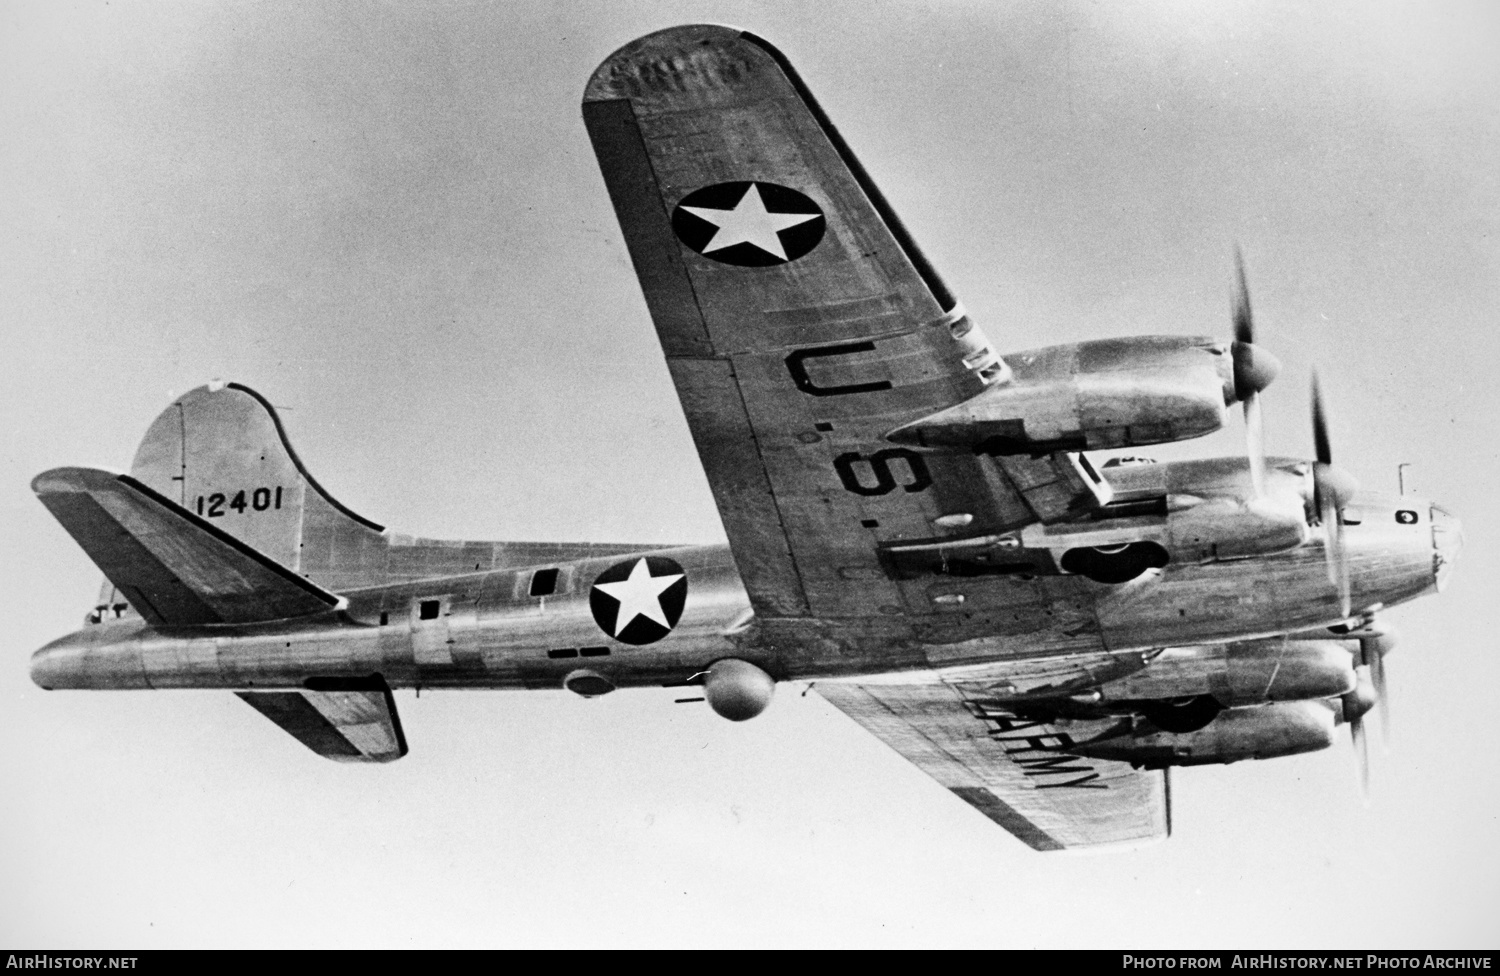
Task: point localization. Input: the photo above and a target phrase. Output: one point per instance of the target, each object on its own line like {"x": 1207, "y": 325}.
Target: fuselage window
{"x": 544, "y": 582}
{"x": 428, "y": 609}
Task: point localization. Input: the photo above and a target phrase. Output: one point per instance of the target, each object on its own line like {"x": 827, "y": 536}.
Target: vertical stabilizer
{"x": 220, "y": 452}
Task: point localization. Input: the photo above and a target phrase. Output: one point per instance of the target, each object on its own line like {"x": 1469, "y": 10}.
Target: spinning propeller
{"x": 1369, "y": 692}
{"x": 1332, "y": 489}
{"x": 1357, "y": 704}
{"x": 1373, "y": 649}
{"x": 1254, "y": 369}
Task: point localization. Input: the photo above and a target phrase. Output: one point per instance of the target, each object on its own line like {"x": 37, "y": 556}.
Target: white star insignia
{"x": 639, "y": 596}
{"x": 749, "y": 223}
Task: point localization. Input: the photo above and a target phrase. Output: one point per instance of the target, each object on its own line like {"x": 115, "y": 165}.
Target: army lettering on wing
{"x": 1003, "y": 728}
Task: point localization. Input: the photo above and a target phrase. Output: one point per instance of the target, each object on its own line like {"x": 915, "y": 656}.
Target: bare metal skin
{"x": 912, "y": 523}
{"x": 493, "y": 635}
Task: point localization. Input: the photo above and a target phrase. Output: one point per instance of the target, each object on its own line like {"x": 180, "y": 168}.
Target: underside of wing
{"x": 175, "y": 568}
{"x": 1014, "y": 770}
{"x": 356, "y": 722}
{"x": 801, "y": 324}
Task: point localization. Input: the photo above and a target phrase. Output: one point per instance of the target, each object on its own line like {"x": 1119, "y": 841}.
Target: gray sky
{"x": 387, "y": 218}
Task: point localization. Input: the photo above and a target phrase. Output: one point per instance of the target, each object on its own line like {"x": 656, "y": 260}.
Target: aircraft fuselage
{"x": 486, "y": 630}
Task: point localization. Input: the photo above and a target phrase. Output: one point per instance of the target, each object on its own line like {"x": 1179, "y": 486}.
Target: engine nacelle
{"x": 1092, "y": 395}
{"x": 1243, "y": 673}
{"x": 1186, "y": 512}
{"x": 1252, "y": 732}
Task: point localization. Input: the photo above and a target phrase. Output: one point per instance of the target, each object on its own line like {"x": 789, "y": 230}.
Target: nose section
{"x": 1447, "y": 540}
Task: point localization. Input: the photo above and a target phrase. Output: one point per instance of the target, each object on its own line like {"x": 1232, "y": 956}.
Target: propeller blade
{"x": 1383, "y": 702}
{"x": 1356, "y": 705}
{"x": 1320, "y": 425}
{"x": 1255, "y": 444}
{"x": 1333, "y": 550}
{"x": 1254, "y": 369}
{"x": 1332, "y": 488}
{"x": 1244, "y": 323}
{"x": 1361, "y": 756}
{"x": 1374, "y": 650}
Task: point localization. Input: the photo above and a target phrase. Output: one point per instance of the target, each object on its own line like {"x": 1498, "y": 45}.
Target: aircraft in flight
{"x": 914, "y": 525}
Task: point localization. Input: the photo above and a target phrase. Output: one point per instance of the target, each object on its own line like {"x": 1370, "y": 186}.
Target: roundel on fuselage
{"x": 639, "y": 601}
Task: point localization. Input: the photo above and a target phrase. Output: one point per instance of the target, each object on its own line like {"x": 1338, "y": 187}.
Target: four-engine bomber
{"x": 409, "y": 616}
{"x": 913, "y": 527}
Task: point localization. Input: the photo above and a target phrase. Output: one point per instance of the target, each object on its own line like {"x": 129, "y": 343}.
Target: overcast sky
{"x": 387, "y": 218}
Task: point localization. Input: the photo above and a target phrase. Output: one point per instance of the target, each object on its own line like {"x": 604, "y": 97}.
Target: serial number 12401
{"x": 258, "y": 499}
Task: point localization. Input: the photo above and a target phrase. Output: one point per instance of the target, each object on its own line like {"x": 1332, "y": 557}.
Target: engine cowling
{"x": 1249, "y": 732}
{"x": 1191, "y": 511}
{"x": 1243, "y": 673}
{"x": 1227, "y": 529}
{"x": 1091, "y": 395}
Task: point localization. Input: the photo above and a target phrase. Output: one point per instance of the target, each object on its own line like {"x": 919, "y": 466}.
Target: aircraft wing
{"x": 174, "y": 567}
{"x": 800, "y": 323}
{"x": 1009, "y": 768}
{"x": 353, "y": 723}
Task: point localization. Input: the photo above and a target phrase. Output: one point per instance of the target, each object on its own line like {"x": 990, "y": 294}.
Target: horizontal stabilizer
{"x": 175, "y": 568}
{"x": 353, "y": 724}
